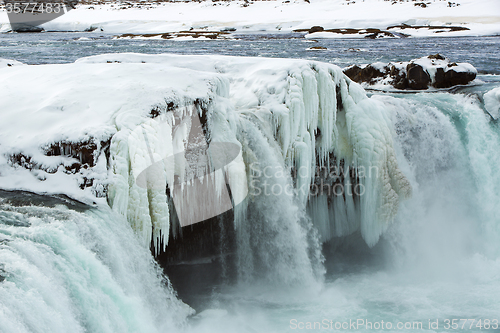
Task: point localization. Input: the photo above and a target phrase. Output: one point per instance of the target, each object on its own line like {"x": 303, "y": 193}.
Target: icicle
{"x": 293, "y": 112}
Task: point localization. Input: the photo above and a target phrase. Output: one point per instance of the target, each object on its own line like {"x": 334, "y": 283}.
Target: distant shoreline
{"x": 316, "y": 19}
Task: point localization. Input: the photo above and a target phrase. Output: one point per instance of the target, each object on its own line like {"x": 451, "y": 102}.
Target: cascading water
{"x": 63, "y": 270}
{"x": 69, "y": 271}
{"x": 437, "y": 262}
{"x": 451, "y": 146}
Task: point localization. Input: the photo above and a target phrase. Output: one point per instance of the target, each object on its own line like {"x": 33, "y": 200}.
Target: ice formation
{"x": 301, "y": 127}
{"x": 492, "y": 102}
{"x": 313, "y": 116}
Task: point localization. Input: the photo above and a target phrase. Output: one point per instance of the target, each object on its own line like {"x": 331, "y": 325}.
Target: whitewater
{"x": 420, "y": 245}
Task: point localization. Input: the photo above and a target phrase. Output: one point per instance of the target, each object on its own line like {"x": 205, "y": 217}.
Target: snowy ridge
{"x": 283, "y": 113}
{"x": 481, "y": 17}
{"x": 9, "y": 63}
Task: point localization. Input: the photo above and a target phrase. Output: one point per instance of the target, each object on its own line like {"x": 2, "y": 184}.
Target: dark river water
{"x": 42, "y": 48}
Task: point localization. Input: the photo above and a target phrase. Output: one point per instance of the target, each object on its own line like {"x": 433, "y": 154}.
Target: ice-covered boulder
{"x": 434, "y": 71}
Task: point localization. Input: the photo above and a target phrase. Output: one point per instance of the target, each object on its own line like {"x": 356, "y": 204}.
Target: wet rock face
{"x": 368, "y": 74}
{"x": 418, "y": 78}
{"x": 399, "y": 78}
{"x": 453, "y": 78}
{"x": 419, "y": 74}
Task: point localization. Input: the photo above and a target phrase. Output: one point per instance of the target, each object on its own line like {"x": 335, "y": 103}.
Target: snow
{"x": 283, "y": 113}
{"x": 57, "y": 107}
{"x": 492, "y": 102}
{"x": 481, "y": 17}
{"x": 9, "y": 63}
{"x": 431, "y": 65}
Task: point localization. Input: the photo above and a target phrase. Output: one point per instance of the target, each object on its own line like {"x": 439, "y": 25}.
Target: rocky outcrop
{"x": 433, "y": 71}
{"x": 369, "y": 74}
{"x": 79, "y": 158}
{"x": 171, "y": 35}
{"x": 370, "y": 33}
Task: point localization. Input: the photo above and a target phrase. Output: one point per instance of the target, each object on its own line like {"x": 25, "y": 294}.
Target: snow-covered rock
{"x": 434, "y": 71}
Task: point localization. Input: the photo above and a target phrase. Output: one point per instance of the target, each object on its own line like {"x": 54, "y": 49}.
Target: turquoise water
{"x": 69, "y": 271}
{"x": 438, "y": 262}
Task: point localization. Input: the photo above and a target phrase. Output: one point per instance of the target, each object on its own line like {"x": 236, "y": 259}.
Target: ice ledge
{"x": 309, "y": 113}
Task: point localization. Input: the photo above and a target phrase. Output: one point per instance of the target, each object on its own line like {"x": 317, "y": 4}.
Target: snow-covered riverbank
{"x": 418, "y": 19}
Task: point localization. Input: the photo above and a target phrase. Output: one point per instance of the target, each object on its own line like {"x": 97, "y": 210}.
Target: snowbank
{"x": 482, "y": 17}
{"x": 89, "y": 129}
{"x": 9, "y": 63}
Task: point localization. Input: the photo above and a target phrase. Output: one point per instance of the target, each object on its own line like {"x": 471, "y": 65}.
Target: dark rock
{"x": 18, "y": 198}
{"x": 20, "y": 27}
{"x": 354, "y": 73}
{"x": 414, "y": 76}
{"x": 439, "y": 79}
{"x": 316, "y": 28}
{"x": 86, "y": 152}
{"x": 418, "y": 78}
{"x": 454, "y": 78}
{"x": 444, "y": 28}
{"x": 436, "y": 56}
{"x": 367, "y": 74}
{"x": 399, "y": 80}
{"x": 379, "y": 34}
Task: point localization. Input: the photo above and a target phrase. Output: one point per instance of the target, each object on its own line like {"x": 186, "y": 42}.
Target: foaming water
{"x": 65, "y": 271}
{"x": 438, "y": 261}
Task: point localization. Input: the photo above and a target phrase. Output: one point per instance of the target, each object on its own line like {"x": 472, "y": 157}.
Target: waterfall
{"x": 63, "y": 270}
{"x": 296, "y": 153}
{"x": 448, "y": 147}
{"x": 292, "y": 117}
